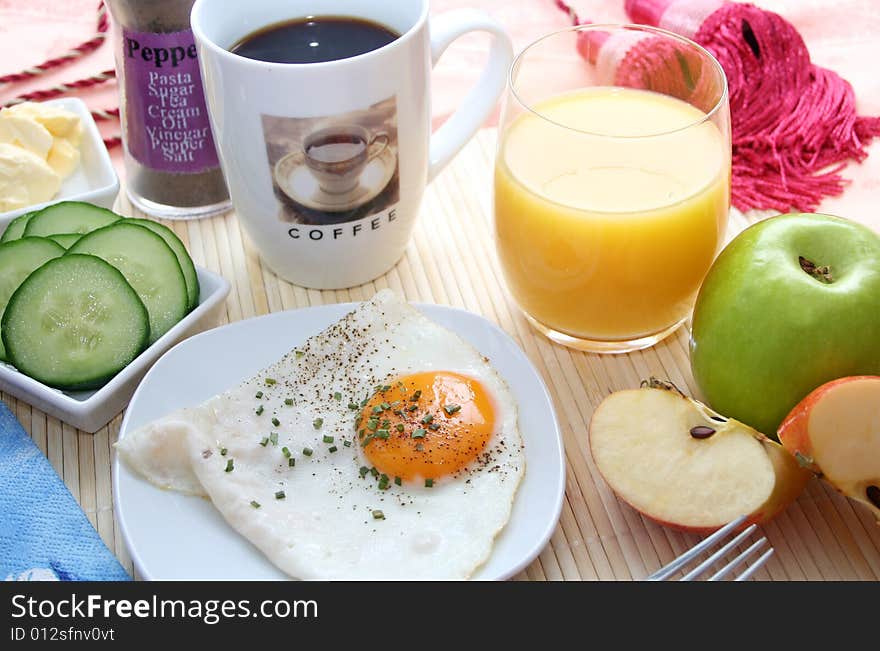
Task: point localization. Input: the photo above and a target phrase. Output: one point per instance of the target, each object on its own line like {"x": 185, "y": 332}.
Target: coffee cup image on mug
{"x": 334, "y": 169}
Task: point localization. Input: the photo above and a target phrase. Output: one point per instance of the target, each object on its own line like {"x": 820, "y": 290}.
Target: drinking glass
{"x": 612, "y": 183}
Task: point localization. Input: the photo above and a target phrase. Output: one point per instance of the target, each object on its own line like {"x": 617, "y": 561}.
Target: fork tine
{"x": 727, "y": 569}
{"x": 754, "y": 567}
{"x": 721, "y": 553}
{"x": 695, "y": 551}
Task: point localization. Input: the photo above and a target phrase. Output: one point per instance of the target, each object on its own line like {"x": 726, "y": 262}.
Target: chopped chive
{"x": 378, "y": 388}
{"x": 427, "y": 419}
{"x": 337, "y": 395}
{"x": 367, "y": 441}
{"x": 286, "y": 452}
{"x": 372, "y": 424}
{"x": 382, "y": 433}
{"x": 353, "y": 406}
{"x": 332, "y": 448}
{"x": 291, "y": 462}
{"x": 361, "y": 433}
{"x": 254, "y": 504}
{"x": 383, "y": 482}
{"x": 280, "y": 495}
{"x": 264, "y": 441}
{"x": 317, "y": 423}
{"x": 363, "y": 403}
{"x": 230, "y": 465}
{"x": 307, "y": 452}
{"x": 273, "y": 438}
{"x": 378, "y": 515}
{"x": 399, "y": 427}
{"x": 412, "y": 407}
{"x": 451, "y": 409}
{"x": 429, "y": 483}
{"x": 419, "y": 433}
{"x": 270, "y": 381}
{"x": 414, "y": 397}
{"x": 288, "y": 402}
{"x": 377, "y": 409}
{"x": 259, "y": 395}
{"x": 419, "y": 447}
{"x": 259, "y": 410}
{"x": 347, "y": 444}
{"x": 298, "y": 353}
{"x": 276, "y": 422}
{"x": 398, "y": 481}
{"x": 434, "y": 426}
{"x": 363, "y": 471}
{"x": 397, "y": 412}
{"x": 223, "y": 452}
{"x": 386, "y": 387}
{"x": 385, "y": 406}
{"x": 328, "y": 439}
{"x": 374, "y": 472}
{"x": 396, "y": 403}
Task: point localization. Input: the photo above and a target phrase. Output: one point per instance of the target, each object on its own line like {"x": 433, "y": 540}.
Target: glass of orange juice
{"x": 612, "y": 183}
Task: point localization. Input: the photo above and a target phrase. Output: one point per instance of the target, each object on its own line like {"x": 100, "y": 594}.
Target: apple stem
{"x": 820, "y": 273}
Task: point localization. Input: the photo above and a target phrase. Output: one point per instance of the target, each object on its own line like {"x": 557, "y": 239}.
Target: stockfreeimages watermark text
{"x": 209, "y": 611}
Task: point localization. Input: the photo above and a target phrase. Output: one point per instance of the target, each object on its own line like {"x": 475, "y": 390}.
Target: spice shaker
{"x": 171, "y": 165}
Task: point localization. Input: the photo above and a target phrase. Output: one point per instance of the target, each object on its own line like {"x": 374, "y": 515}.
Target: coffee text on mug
{"x": 347, "y": 230}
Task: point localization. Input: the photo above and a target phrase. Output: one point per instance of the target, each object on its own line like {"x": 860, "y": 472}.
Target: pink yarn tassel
{"x": 794, "y": 124}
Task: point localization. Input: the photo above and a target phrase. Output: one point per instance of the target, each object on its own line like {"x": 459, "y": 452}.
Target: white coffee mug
{"x": 309, "y": 229}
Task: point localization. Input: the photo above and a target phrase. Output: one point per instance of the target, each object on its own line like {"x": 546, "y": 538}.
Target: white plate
{"x": 178, "y": 537}
{"x": 94, "y": 179}
{"x": 91, "y": 410}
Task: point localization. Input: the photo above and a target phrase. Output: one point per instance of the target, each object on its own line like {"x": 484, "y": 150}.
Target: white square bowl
{"x": 91, "y": 410}
{"x": 94, "y": 179}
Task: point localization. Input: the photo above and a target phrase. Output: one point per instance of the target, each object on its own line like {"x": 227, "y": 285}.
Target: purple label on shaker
{"x": 167, "y": 124}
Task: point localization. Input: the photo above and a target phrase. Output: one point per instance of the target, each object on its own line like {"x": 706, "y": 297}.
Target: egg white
{"x": 324, "y": 526}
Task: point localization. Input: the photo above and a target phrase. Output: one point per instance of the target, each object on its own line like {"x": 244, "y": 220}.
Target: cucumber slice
{"x": 69, "y": 217}
{"x": 66, "y": 240}
{"x": 15, "y": 229}
{"x": 148, "y": 264}
{"x": 186, "y": 263}
{"x": 18, "y": 259}
{"x": 74, "y": 323}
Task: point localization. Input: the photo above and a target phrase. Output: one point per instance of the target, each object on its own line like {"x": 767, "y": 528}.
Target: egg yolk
{"x": 426, "y": 425}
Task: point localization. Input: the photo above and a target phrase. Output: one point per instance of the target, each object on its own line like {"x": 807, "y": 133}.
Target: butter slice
{"x": 57, "y": 121}
{"x": 25, "y": 178}
{"x": 63, "y": 157}
{"x": 25, "y": 133}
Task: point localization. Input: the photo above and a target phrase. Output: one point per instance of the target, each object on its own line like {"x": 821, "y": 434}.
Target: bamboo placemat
{"x": 451, "y": 260}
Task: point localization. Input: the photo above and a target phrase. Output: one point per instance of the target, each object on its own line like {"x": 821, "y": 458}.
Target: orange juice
{"x": 604, "y": 228}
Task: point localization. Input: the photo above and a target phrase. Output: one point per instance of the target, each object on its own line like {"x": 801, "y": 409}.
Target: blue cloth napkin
{"x": 44, "y": 535}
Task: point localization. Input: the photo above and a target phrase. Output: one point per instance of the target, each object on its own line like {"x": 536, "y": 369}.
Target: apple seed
{"x": 873, "y": 495}
{"x": 702, "y": 432}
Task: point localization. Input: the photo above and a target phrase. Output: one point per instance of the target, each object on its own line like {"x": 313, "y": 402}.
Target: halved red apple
{"x": 835, "y": 432}
{"x": 686, "y": 466}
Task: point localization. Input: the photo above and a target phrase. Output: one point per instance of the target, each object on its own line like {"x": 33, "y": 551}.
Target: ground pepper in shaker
{"x": 171, "y": 165}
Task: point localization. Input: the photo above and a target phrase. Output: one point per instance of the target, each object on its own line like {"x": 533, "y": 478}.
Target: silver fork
{"x": 680, "y": 562}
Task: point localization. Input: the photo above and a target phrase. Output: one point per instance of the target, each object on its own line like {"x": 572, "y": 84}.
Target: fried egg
{"x": 384, "y": 447}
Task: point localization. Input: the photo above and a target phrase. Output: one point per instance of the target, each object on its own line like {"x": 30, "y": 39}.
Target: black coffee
{"x": 314, "y": 39}
{"x": 336, "y": 148}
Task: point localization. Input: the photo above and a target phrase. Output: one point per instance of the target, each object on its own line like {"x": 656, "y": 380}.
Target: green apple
{"x": 791, "y": 303}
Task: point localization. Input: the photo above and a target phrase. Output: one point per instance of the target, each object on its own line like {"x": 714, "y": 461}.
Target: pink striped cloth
{"x": 840, "y": 36}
